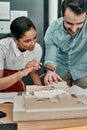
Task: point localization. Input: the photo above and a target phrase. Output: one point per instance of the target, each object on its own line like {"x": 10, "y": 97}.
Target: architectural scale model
{"x": 48, "y": 102}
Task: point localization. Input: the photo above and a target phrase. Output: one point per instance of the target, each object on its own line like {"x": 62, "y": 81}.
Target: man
{"x": 66, "y": 45}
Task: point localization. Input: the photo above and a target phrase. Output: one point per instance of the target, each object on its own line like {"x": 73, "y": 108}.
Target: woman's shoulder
{"x": 38, "y": 46}
{"x": 5, "y": 42}
{"x": 5, "y": 45}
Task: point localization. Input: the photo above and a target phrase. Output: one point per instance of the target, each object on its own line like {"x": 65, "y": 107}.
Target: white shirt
{"x": 12, "y": 58}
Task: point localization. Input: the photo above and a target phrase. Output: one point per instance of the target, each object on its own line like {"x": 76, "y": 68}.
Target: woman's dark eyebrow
{"x": 33, "y": 38}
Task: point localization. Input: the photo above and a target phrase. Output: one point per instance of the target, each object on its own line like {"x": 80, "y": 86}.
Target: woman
{"x": 20, "y": 54}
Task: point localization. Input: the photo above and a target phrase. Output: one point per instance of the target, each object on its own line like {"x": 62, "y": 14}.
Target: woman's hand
{"x": 30, "y": 66}
{"x": 51, "y": 77}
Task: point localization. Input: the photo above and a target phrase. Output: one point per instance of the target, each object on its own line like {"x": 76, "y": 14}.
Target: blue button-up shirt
{"x": 65, "y": 51}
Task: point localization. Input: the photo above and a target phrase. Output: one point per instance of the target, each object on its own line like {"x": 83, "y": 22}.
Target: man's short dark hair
{"x": 77, "y": 6}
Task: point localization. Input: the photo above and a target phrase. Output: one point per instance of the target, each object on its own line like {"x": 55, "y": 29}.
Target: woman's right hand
{"x": 30, "y": 66}
{"x": 52, "y": 77}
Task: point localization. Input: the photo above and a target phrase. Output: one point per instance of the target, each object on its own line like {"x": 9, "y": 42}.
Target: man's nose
{"x": 74, "y": 28}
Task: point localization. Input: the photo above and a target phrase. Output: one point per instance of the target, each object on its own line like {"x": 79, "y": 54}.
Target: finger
{"x": 36, "y": 67}
{"x": 46, "y": 82}
{"x": 50, "y": 79}
{"x": 59, "y": 78}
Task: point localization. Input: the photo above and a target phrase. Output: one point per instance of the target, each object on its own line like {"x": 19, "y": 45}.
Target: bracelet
{"x": 18, "y": 76}
{"x": 51, "y": 69}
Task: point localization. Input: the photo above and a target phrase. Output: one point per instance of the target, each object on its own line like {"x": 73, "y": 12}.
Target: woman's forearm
{"x": 36, "y": 78}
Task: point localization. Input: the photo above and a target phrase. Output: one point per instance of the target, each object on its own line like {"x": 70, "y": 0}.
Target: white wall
{"x": 53, "y": 10}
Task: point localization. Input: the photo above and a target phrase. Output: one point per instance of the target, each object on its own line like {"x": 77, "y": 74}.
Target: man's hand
{"x": 51, "y": 77}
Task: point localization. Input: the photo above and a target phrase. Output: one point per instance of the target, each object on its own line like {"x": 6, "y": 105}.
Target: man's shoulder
{"x": 57, "y": 22}
{"x": 55, "y": 25}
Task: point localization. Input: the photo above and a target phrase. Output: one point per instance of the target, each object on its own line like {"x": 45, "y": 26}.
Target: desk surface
{"x": 63, "y": 124}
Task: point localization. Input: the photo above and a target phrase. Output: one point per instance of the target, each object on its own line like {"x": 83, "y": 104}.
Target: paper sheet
{"x": 7, "y": 97}
{"x": 78, "y": 90}
{"x": 80, "y": 93}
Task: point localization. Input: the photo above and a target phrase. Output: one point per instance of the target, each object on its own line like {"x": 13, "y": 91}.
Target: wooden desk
{"x": 64, "y": 124}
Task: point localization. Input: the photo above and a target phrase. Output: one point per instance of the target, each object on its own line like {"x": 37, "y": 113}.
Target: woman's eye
{"x": 35, "y": 37}
{"x": 27, "y": 41}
